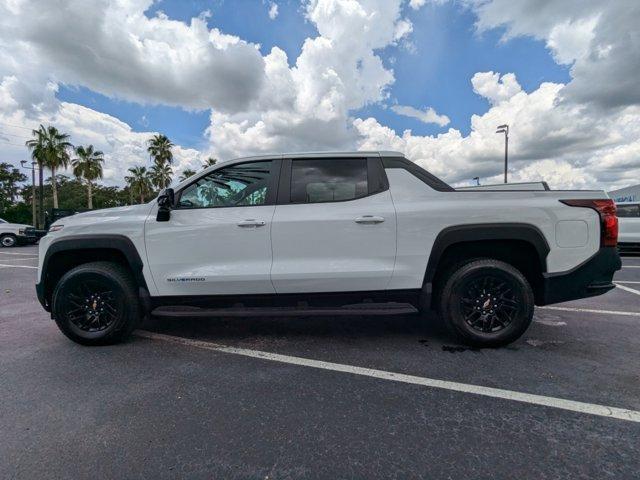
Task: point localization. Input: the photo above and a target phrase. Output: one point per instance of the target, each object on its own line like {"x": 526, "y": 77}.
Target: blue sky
{"x": 369, "y": 74}
{"x": 434, "y": 71}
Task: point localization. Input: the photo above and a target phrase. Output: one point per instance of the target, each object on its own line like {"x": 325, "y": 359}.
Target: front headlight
{"x": 55, "y": 228}
{"x": 21, "y": 231}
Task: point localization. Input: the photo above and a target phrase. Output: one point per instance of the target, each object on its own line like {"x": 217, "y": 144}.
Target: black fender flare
{"x": 120, "y": 243}
{"x": 486, "y": 231}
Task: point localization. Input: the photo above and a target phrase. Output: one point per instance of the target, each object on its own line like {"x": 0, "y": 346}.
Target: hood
{"x": 104, "y": 215}
{"x": 14, "y": 225}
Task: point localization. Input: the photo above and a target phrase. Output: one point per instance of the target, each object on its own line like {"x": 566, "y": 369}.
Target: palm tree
{"x": 129, "y": 181}
{"x": 160, "y": 175}
{"x": 88, "y": 166}
{"x": 209, "y": 162}
{"x": 186, "y": 173}
{"x": 50, "y": 148}
{"x": 140, "y": 182}
{"x": 159, "y": 148}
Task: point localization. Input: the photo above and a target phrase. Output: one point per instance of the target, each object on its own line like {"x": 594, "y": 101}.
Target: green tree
{"x": 50, "y": 149}
{"x": 186, "y": 173}
{"x": 159, "y": 148}
{"x": 88, "y": 166}
{"x": 140, "y": 182}
{"x": 160, "y": 175}
{"x": 209, "y": 162}
{"x": 10, "y": 177}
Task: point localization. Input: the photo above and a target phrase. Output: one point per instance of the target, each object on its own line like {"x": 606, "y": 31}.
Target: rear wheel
{"x": 96, "y": 304}
{"x": 8, "y": 240}
{"x": 486, "y": 303}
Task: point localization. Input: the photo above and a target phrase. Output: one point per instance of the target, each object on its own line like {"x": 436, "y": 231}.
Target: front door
{"x": 334, "y": 228}
{"x": 217, "y": 240}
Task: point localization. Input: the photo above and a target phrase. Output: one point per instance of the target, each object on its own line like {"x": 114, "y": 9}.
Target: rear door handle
{"x": 369, "y": 219}
{"x": 251, "y": 223}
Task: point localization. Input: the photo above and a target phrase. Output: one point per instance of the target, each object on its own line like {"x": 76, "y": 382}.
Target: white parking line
{"x": 631, "y": 266}
{"x": 16, "y": 266}
{"x": 591, "y": 310}
{"x": 21, "y": 259}
{"x": 625, "y": 281}
{"x": 560, "y": 403}
{"x": 627, "y": 289}
{"x": 16, "y": 253}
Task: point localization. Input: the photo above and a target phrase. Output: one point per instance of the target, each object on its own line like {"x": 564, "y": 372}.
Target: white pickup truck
{"x": 360, "y": 233}
{"x": 12, "y": 234}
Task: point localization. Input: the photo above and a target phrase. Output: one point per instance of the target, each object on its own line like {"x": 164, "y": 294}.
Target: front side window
{"x": 328, "y": 180}
{"x": 240, "y": 185}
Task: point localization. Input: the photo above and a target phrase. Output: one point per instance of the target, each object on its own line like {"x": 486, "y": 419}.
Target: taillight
{"x": 606, "y": 208}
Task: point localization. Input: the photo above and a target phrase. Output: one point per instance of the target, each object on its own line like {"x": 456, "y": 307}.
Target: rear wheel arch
{"x": 514, "y": 243}
{"x": 70, "y": 252}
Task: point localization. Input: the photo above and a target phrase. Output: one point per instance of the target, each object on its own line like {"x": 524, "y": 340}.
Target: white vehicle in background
{"x": 629, "y": 221}
{"x": 12, "y": 234}
{"x": 353, "y": 233}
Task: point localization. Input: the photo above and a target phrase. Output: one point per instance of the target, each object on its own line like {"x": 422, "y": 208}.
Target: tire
{"x": 96, "y": 304}
{"x": 8, "y": 240}
{"x": 486, "y": 303}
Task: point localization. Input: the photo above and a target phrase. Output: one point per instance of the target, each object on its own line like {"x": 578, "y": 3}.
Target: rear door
{"x": 217, "y": 240}
{"x": 334, "y": 227}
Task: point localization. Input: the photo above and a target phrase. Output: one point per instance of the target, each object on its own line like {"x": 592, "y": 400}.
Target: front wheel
{"x": 487, "y": 303}
{"x": 96, "y": 304}
{"x": 8, "y": 240}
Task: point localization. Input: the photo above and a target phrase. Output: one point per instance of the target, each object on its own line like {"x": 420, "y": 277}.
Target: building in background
{"x": 626, "y": 195}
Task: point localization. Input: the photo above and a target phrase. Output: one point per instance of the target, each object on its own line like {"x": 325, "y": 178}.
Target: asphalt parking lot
{"x": 382, "y": 397}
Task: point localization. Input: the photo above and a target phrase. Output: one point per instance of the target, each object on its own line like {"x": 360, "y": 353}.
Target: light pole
{"x": 33, "y": 189}
{"x": 505, "y": 129}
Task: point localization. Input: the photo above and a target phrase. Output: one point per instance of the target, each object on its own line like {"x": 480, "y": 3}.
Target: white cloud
{"x": 426, "y": 116}
{"x": 495, "y": 88}
{"x": 566, "y": 145}
{"x": 273, "y": 10}
{"x": 114, "y": 49}
{"x": 307, "y": 106}
{"x": 598, "y": 37}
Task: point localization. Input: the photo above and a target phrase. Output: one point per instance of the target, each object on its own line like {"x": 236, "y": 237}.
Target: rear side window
{"x": 628, "y": 211}
{"x": 328, "y": 180}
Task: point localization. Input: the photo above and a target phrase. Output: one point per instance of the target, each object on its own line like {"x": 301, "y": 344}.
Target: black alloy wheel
{"x": 96, "y": 303}
{"x": 486, "y": 303}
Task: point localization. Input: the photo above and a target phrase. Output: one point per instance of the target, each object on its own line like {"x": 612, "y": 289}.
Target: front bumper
{"x": 26, "y": 239}
{"x": 591, "y": 278}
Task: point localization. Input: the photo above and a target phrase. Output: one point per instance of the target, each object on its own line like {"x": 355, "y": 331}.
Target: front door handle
{"x": 369, "y": 219}
{"x": 251, "y": 223}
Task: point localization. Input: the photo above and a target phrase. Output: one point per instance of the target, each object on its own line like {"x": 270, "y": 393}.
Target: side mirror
{"x": 165, "y": 203}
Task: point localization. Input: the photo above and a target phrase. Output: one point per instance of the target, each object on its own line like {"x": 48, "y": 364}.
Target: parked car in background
{"x": 629, "y": 221}
{"x": 12, "y": 234}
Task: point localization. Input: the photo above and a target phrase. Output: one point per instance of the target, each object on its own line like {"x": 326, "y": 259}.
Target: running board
{"x": 390, "y": 308}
